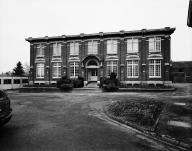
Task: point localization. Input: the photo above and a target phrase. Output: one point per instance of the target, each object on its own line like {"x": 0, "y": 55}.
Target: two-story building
{"x": 137, "y": 57}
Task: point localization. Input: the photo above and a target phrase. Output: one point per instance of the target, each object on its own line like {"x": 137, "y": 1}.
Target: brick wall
{"x": 102, "y": 53}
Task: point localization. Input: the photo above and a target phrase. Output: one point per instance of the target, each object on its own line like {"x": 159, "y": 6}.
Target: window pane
{"x": 151, "y": 44}
{"x": 89, "y": 47}
{"x": 71, "y": 48}
{"x": 133, "y": 68}
{"x": 76, "y": 49}
{"x": 129, "y": 45}
{"x": 56, "y": 49}
{"x": 16, "y": 81}
{"x": 40, "y": 70}
{"x": 111, "y": 46}
{"x": 155, "y": 68}
{"x": 74, "y": 69}
{"x": 135, "y": 45}
{"x": 95, "y": 47}
{"x": 158, "y": 44}
{"x": 56, "y": 70}
{"x": 40, "y": 50}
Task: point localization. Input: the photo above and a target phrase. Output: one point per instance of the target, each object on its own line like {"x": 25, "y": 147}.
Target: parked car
{"x": 5, "y": 108}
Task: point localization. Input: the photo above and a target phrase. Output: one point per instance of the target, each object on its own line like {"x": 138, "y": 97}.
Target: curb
{"x": 152, "y": 135}
{"x": 145, "y": 90}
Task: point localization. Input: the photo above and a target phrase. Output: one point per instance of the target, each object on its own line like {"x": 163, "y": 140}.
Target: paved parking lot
{"x": 71, "y": 121}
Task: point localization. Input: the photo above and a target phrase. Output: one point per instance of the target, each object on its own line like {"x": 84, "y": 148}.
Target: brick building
{"x": 181, "y": 71}
{"x": 137, "y": 57}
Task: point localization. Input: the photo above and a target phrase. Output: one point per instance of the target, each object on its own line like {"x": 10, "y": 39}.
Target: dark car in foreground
{"x": 5, "y": 108}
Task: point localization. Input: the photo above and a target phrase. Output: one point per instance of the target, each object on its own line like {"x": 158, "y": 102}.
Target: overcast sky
{"x": 20, "y": 19}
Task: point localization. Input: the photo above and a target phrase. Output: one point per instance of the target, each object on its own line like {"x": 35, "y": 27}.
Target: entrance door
{"x": 92, "y": 75}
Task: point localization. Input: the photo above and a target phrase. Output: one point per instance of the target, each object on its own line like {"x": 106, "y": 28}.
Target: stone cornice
{"x": 121, "y": 34}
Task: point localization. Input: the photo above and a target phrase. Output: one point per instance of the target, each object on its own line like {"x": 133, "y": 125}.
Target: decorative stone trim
{"x": 41, "y": 60}
{"x": 167, "y": 64}
{"x": 132, "y": 57}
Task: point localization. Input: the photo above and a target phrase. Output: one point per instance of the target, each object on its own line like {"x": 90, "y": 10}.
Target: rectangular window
{"x": 92, "y": 47}
{"x": 155, "y": 68}
{"x": 0, "y": 81}
{"x": 40, "y": 70}
{"x": 74, "y": 48}
{"x": 56, "y": 70}
{"x": 111, "y": 67}
{"x": 7, "y": 81}
{"x": 56, "y": 49}
{"x": 25, "y": 80}
{"x": 111, "y": 46}
{"x": 132, "y": 45}
{"x": 40, "y": 50}
{"x": 74, "y": 69}
{"x": 16, "y": 81}
{"x": 155, "y": 44}
{"x": 132, "y": 68}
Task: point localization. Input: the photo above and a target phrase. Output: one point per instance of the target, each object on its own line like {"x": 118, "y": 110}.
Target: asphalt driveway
{"x": 70, "y": 121}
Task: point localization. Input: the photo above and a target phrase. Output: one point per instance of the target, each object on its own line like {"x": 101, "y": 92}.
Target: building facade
{"x": 137, "y": 57}
{"x": 181, "y": 71}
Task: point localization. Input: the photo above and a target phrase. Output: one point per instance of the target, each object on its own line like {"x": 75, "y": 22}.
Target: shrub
{"x": 65, "y": 84}
{"x": 111, "y": 84}
{"x": 102, "y": 79}
{"x": 79, "y": 82}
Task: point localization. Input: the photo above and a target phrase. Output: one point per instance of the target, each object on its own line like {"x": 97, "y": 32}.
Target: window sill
{"x": 40, "y": 77}
{"x": 40, "y": 56}
{"x": 133, "y": 77}
{"x": 155, "y": 51}
{"x": 155, "y": 77}
{"x": 72, "y": 77}
{"x": 56, "y": 77}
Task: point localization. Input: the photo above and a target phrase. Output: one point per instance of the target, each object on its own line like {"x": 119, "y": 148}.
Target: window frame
{"x": 131, "y": 44}
{"x": 134, "y": 69}
{"x": 74, "y": 66}
{"x": 40, "y": 52}
{"x": 153, "y": 42}
{"x": 110, "y": 65}
{"x": 57, "y": 49}
{"x": 40, "y": 66}
{"x": 57, "y": 66}
{"x": 7, "y": 81}
{"x": 156, "y": 73}
{"x": 74, "y": 48}
{"x": 93, "y": 46}
{"x": 112, "y": 47}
